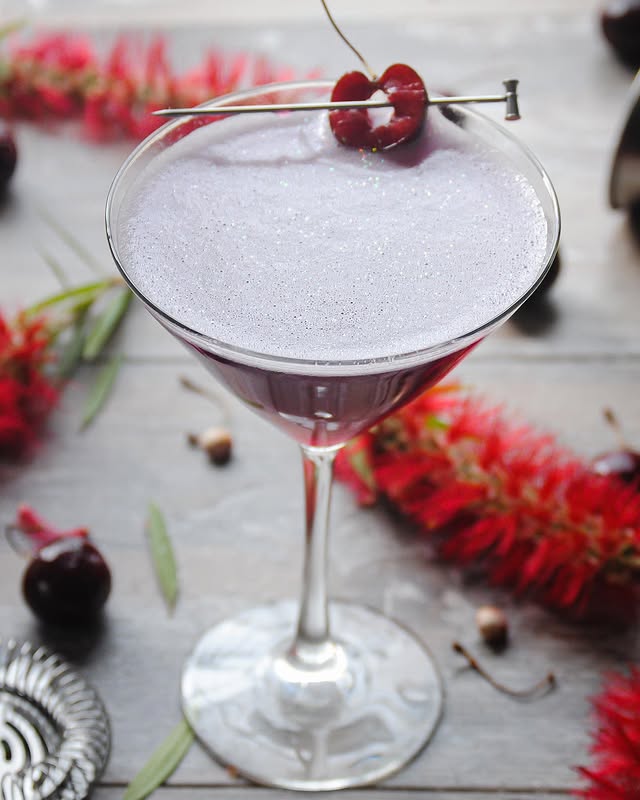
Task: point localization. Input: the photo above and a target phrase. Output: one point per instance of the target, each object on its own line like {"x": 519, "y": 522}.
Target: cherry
{"x": 634, "y": 220}
{"x": 493, "y": 626}
{"x": 407, "y": 94}
{"x": 623, "y": 463}
{"x": 67, "y": 581}
{"x": 620, "y": 22}
{"x": 403, "y": 86}
{"x": 8, "y": 156}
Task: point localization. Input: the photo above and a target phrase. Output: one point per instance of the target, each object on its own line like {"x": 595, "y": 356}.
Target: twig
{"x": 191, "y": 386}
{"x": 613, "y": 422}
{"x": 544, "y": 686}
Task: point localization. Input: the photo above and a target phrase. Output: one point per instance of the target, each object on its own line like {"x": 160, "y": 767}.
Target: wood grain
{"x": 240, "y": 793}
{"x": 255, "y": 12}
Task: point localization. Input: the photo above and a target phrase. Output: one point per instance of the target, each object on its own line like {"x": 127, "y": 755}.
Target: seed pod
{"x": 493, "y": 626}
{"x": 216, "y": 443}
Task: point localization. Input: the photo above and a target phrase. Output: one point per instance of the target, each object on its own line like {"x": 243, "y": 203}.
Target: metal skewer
{"x": 510, "y": 97}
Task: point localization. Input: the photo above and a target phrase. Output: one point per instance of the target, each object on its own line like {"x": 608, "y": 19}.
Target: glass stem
{"x": 312, "y": 645}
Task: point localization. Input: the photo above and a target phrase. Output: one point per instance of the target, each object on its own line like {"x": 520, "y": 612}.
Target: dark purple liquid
{"x": 320, "y": 410}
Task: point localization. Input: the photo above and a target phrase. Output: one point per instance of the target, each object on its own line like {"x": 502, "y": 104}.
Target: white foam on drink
{"x": 263, "y": 232}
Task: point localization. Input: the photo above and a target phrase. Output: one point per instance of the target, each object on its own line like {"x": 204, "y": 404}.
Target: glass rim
{"x": 335, "y": 366}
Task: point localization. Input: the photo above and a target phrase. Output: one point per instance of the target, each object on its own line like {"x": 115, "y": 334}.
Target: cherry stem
{"x": 29, "y": 527}
{"x": 545, "y": 685}
{"x": 359, "y": 55}
{"x": 191, "y": 386}
{"x": 613, "y": 422}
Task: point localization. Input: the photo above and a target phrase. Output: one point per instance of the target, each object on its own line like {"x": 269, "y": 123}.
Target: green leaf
{"x": 106, "y": 325}
{"x": 72, "y": 352}
{"x": 11, "y": 27}
{"x": 162, "y": 556}
{"x": 162, "y": 764}
{"x": 360, "y": 463}
{"x": 101, "y": 390}
{"x": 434, "y": 423}
{"x": 56, "y": 267}
{"x": 85, "y": 294}
{"x": 72, "y": 243}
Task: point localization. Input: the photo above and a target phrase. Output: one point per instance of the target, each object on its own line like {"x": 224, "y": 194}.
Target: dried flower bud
{"x": 493, "y": 626}
{"x": 216, "y": 443}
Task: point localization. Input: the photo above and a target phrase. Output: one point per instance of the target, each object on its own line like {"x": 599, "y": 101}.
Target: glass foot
{"x": 363, "y": 712}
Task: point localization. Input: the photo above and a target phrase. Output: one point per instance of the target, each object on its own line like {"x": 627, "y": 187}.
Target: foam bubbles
{"x": 264, "y": 233}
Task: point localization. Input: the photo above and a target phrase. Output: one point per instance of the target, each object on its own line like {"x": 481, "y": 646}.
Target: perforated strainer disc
{"x": 54, "y": 731}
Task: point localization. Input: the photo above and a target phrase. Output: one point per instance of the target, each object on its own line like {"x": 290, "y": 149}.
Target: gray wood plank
{"x": 237, "y": 793}
{"x": 238, "y": 540}
{"x": 254, "y": 12}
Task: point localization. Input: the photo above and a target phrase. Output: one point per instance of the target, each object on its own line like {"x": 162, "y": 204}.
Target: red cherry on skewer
{"x": 407, "y": 94}
{"x": 403, "y": 86}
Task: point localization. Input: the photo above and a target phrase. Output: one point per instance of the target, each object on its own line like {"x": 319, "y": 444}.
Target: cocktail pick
{"x": 510, "y": 98}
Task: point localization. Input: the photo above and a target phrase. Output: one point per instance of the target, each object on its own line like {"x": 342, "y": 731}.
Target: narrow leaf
{"x": 101, "y": 390}
{"x": 192, "y": 386}
{"x": 162, "y": 556}
{"x": 362, "y": 466}
{"x": 162, "y": 764}
{"x": 72, "y": 243}
{"x": 434, "y": 423}
{"x": 106, "y": 325}
{"x": 219, "y": 400}
{"x": 86, "y": 292}
{"x": 11, "y": 27}
{"x": 56, "y": 267}
{"x": 72, "y": 352}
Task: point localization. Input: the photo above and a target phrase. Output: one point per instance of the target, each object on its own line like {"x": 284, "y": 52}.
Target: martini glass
{"x": 317, "y": 695}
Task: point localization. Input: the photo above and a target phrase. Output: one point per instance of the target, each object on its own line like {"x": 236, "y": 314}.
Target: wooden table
{"x": 237, "y": 530}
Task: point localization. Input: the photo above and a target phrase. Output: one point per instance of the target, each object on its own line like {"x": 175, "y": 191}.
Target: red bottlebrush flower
{"x": 507, "y": 499}
{"x": 57, "y": 51}
{"x": 57, "y": 77}
{"x": 26, "y": 394}
{"x": 615, "y": 774}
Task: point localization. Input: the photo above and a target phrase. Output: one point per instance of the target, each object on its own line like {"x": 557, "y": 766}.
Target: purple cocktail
{"x": 325, "y": 411}
{"x": 325, "y": 287}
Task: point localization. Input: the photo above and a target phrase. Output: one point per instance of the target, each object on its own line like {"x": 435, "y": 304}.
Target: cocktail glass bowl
{"x": 318, "y": 695}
